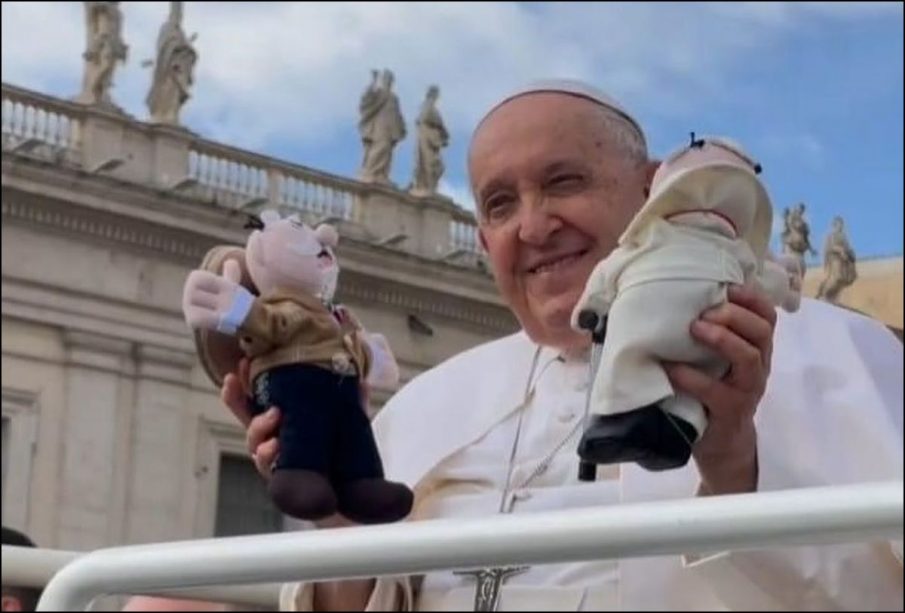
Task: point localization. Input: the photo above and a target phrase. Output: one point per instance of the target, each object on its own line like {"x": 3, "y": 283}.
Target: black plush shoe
{"x": 648, "y": 436}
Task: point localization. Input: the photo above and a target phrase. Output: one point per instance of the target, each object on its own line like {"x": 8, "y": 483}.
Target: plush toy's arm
{"x": 269, "y": 325}
{"x": 599, "y": 292}
{"x": 781, "y": 280}
{"x": 384, "y": 371}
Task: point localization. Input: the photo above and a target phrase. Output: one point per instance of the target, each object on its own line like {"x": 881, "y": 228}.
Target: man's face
{"x": 554, "y": 192}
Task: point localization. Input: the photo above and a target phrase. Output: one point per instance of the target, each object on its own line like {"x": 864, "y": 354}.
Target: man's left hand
{"x": 741, "y": 331}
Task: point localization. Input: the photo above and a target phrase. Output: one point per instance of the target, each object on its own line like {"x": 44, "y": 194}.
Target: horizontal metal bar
{"x": 32, "y": 567}
{"x": 825, "y": 515}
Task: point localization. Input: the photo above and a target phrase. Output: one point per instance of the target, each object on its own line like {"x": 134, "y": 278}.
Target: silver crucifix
{"x": 489, "y": 582}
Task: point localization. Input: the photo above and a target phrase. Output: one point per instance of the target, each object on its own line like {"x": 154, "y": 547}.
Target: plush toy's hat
{"x": 220, "y": 353}
{"x": 712, "y": 174}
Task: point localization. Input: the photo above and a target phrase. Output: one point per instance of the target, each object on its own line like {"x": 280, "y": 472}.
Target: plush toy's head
{"x": 711, "y": 174}
{"x": 286, "y": 253}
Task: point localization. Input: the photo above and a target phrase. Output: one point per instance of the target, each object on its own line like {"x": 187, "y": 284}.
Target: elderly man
{"x": 558, "y": 170}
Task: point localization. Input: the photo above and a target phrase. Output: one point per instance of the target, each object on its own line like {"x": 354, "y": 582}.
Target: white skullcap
{"x": 572, "y": 87}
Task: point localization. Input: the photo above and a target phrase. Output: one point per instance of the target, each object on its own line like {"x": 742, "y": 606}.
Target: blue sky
{"x": 813, "y": 90}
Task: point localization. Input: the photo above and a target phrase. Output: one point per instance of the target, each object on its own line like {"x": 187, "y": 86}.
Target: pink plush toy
{"x": 271, "y": 302}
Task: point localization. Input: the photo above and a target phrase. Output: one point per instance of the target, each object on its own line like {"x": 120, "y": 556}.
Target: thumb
{"x": 232, "y": 272}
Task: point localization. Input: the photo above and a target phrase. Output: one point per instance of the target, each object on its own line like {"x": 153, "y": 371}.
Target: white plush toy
{"x": 705, "y": 225}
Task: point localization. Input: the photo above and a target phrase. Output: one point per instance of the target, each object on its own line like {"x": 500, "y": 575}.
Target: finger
{"x": 753, "y": 300}
{"x": 745, "y": 323}
{"x": 232, "y": 272}
{"x": 261, "y": 429}
{"x": 234, "y": 397}
{"x": 700, "y": 386}
{"x": 243, "y": 372}
{"x": 265, "y": 456}
{"x": 747, "y": 364}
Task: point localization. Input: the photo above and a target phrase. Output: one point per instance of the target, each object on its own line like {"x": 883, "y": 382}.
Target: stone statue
{"x": 176, "y": 58}
{"x": 105, "y": 47}
{"x": 838, "y": 263}
{"x": 381, "y": 127}
{"x": 432, "y": 137}
{"x": 796, "y": 235}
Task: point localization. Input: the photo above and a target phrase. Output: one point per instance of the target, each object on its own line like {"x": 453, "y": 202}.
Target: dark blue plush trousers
{"x": 323, "y": 426}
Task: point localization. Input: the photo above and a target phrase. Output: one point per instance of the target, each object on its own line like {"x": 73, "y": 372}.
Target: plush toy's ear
{"x": 270, "y": 216}
{"x": 327, "y": 235}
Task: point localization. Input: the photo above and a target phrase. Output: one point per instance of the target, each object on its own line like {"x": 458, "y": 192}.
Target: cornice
{"x": 435, "y": 294}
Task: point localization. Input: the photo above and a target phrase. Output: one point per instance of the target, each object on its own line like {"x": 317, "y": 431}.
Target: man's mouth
{"x": 558, "y": 263}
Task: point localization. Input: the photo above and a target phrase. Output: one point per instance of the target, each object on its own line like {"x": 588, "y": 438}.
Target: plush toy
{"x": 271, "y": 302}
{"x": 706, "y": 224}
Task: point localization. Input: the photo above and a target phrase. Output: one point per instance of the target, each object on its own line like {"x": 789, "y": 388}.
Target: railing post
{"x": 824, "y": 515}
{"x": 171, "y": 146}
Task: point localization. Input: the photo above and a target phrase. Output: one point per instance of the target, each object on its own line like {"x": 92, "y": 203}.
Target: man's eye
{"x": 496, "y": 207}
{"x": 566, "y": 181}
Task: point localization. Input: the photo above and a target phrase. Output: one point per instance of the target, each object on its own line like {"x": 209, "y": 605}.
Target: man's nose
{"x": 537, "y": 222}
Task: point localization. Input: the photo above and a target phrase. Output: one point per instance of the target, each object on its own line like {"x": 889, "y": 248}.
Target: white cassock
{"x": 832, "y": 414}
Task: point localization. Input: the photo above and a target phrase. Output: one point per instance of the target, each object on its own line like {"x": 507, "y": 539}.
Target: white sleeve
{"x": 832, "y": 415}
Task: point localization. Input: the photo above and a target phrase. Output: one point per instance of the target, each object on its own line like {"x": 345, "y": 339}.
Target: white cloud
{"x": 461, "y": 194}
{"x": 802, "y": 147}
{"x": 296, "y": 70}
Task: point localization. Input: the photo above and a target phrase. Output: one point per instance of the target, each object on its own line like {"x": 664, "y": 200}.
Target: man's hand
{"x": 261, "y": 430}
{"x": 741, "y": 330}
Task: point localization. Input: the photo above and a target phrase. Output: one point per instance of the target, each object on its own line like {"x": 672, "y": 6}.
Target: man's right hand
{"x": 261, "y": 430}
{"x": 263, "y": 445}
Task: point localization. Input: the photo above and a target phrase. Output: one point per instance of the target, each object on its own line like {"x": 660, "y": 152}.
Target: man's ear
{"x": 650, "y": 168}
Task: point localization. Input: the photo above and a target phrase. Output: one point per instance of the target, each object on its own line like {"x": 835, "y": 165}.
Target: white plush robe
{"x": 832, "y": 414}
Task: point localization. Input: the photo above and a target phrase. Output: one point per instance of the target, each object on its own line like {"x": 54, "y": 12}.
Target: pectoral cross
{"x": 489, "y": 582}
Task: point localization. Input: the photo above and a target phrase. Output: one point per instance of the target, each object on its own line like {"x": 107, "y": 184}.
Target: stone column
{"x": 160, "y": 501}
{"x": 94, "y": 459}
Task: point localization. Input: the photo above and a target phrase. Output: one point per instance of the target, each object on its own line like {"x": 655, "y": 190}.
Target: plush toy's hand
{"x": 384, "y": 372}
{"x": 217, "y": 303}
{"x": 781, "y": 279}
{"x": 595, "y": 299}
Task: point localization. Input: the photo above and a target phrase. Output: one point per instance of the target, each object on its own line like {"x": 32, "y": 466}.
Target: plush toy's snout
{"x": 327, "y": 235}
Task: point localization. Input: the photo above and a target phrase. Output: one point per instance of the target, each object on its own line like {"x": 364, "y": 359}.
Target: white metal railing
{"x": 34, "y": 568}
{"x": 824, "y": 515}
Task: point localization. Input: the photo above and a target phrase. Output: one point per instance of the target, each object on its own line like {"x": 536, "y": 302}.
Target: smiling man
{"x": 558, "y": 170}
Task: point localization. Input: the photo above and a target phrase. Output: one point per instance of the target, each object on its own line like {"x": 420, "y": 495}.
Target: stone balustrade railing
{"x": 235, "y": 178}
{"x": 59, "y": 130}
{"x": 463, "y": 234}
{"x": 31, "y": 120}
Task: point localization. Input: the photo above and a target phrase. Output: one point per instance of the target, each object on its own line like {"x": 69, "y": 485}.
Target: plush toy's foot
{"x": 374, "y": 501}
{"x": 303, "y": 494}
{"x": 648, "y": 436}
